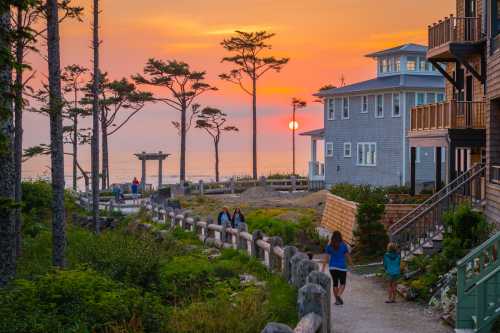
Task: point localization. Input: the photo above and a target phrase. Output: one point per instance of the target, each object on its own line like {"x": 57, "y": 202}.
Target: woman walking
{"x": 339, "y": 257}
{"x": 238, "y": 218}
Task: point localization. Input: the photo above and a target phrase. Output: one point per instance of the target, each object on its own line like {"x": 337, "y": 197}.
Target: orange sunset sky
{"x": 324, "y": 39}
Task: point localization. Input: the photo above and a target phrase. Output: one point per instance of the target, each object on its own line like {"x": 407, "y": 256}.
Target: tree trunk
{"x": 105, "y": 156}
{"x": 254, "y": 115}
{"x": 18, "y": 128}
{"x": 7, "y": 186}
{"x": 216, "y": 144}
{"x": 95, "y": 120}
{"x": 183, "y": 145}
{"x": 75, "y": 149}
{"x": 56, "y": 135}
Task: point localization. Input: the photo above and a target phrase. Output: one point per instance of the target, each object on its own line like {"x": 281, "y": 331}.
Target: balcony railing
{"x": 495, "y": 174}
{"x": 455, "y": 30}
{"x": 449, "y": 114}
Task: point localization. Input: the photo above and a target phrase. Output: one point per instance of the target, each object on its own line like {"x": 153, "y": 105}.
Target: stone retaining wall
{"x": 314, "y": 293}
{"x": 340, "y": 214}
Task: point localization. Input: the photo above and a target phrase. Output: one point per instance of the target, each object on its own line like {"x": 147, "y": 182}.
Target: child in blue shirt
{"x": 339, "y": 255}
{"x": 392, "y": 266}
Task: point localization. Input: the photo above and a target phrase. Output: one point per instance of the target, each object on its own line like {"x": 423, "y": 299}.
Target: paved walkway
{"x": 365, "y": 312}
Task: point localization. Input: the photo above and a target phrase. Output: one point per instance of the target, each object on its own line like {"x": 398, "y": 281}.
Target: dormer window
{"x": 411, "y": 64}
{"x": 384, "y": 66}
{"x": 422, "y": 64}
{"x": 398, "y": 64}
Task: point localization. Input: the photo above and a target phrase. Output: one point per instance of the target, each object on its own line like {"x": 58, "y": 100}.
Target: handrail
{"x": 448, "y": 114}
{"x": 455, "y": 29}
{"x": 474, "y": 274}
{"x": 402, "y": 224}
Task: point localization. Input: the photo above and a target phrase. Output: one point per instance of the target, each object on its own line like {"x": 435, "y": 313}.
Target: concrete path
{"x": 364, "y": 311}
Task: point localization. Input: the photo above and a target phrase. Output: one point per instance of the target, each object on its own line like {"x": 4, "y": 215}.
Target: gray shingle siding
{"x": 386, "y": 132}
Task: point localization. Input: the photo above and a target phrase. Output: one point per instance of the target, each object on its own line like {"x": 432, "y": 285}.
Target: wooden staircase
{"x": 421, "y": 231}
{"x": 478, "y": 288}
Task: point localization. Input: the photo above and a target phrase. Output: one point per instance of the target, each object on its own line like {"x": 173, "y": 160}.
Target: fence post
{"x": 276, "y": 328}
{"x": 288, "y": 253}
{"x": 274, "y": 260}
{"x": 256, "y": 235}
{"x": 233, "y": 185}
{"x": 323, "y": 280}
{"x": 313, "y": 299}
{"x": 295, "y": 261}
{"x": 242, "y": 242}
{"x": 304, "y": 268}
{"x": 293, "y": 179}
{"x": 201, "y": 187}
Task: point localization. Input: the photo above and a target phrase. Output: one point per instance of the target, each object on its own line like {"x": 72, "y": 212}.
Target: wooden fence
{"x": 234, "y": 186}
{"x": 314, "y": 287}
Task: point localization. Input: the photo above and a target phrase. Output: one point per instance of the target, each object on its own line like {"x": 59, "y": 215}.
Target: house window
{"x": 329, "y": 149}
{"x": 496, "y": 16}
{"x": 391, "y": 64}
{"x": 422, "y": 64}
{"x": 331, "y": 109}
{"x": 431, "y": 98}
{"x": 367, "y": 154}
{"x": 345, "y": 108}
{"x": 347, "y": 149}
{"x": 364, "y": 106}
{"x": 411, "y": 64}
{"x": 398, "y": 64}
{"x": 420, "y": 99}
{"x": 395, "y": 105}
{"x": 379, "y": 112}
{"x": 384, "y": 66}
{"x": 439, "y": 97}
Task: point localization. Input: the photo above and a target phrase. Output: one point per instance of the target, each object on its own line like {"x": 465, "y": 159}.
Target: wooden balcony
{"x": 448, "y": 115}
{"x": 461, "y": 32}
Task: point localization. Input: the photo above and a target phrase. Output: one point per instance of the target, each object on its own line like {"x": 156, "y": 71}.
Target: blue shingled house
{"x": 366, "y": 123}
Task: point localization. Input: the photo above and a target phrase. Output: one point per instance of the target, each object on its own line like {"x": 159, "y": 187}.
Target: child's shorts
{"x": 393, "y": 277}
{"x": 338, "y": 277}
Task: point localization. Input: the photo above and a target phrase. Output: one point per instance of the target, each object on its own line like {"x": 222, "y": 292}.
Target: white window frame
{"x": 372, "y": 153}
{"x": 330, "y": 109}
{"x": 347, "y": 144}
{"x": 344, "y": 99}
{"x": 408, "y": 62}
{"x": 394, "y": 115}
{"x": 376, "y": 106}
{"x": 398, "y": 64}
{"x": 364, "y": 106}
{"x": 329, "y": 149}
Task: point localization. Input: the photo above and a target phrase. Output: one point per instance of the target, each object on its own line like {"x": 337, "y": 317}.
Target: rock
{"x": 247, "y": 278}
{"x": 276, "y": 328}
{"x": 212, "y": 253}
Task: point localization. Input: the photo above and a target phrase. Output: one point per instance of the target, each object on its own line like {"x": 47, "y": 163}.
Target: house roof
{"x": 317, "y": 132}
{"x": 388, "y": 82}
{"x": 405, "y": 48}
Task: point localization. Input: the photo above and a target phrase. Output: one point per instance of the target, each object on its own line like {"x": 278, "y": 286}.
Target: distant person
{"x": 116, "y": 193}
{"x": 224, "y": 216}
{"x": 392, "y": 266}
{"x": 238, "y": 218}
{"x": 135, "y": 189}
{"x": 339, "y": 256}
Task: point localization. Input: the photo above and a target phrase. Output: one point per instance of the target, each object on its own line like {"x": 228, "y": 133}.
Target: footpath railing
{"x": 417, "y": 230}
{"x": 314, "y": 287}
{"x": 478, "y": 287}
{"x": 233, "y": 185}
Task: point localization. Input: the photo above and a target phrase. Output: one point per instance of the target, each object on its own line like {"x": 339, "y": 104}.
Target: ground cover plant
{"x": 465, "y": 229}
{"x": 124, "y": 280}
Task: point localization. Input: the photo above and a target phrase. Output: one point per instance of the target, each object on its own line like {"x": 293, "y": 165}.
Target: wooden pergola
{"x": 160, "y": 157}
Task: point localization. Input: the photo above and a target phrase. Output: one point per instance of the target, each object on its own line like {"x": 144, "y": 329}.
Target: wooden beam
{"x": 444, "y": 73}
{"x": 461, "y": 58}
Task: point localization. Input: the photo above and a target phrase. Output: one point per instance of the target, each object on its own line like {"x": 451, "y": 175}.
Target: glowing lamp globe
{"x": 293, "y": 125}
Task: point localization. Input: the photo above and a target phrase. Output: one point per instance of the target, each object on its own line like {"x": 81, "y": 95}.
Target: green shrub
{"x": 122, "y": 257}
{"x": 360, "y": 193}
{"x": 75, "y": 301}
{"x": 186, "y": 278}
{"x": 370, "y": 235}
{"x": 467, "y": 226}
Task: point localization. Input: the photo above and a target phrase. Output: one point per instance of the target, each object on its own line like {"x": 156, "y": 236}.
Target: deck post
{"x": 160, "y": 172}
{"x": 413, "y": 158}
{"x": 143, "y": 176}
{"x": 438, "y": 168}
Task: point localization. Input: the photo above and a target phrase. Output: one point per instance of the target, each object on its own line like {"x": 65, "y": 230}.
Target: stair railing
{"x": 478, "y": 286}
{"x": 418, "y": 227}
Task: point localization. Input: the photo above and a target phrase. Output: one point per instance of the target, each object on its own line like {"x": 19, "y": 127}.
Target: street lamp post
{"x": 297, "y": 104}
